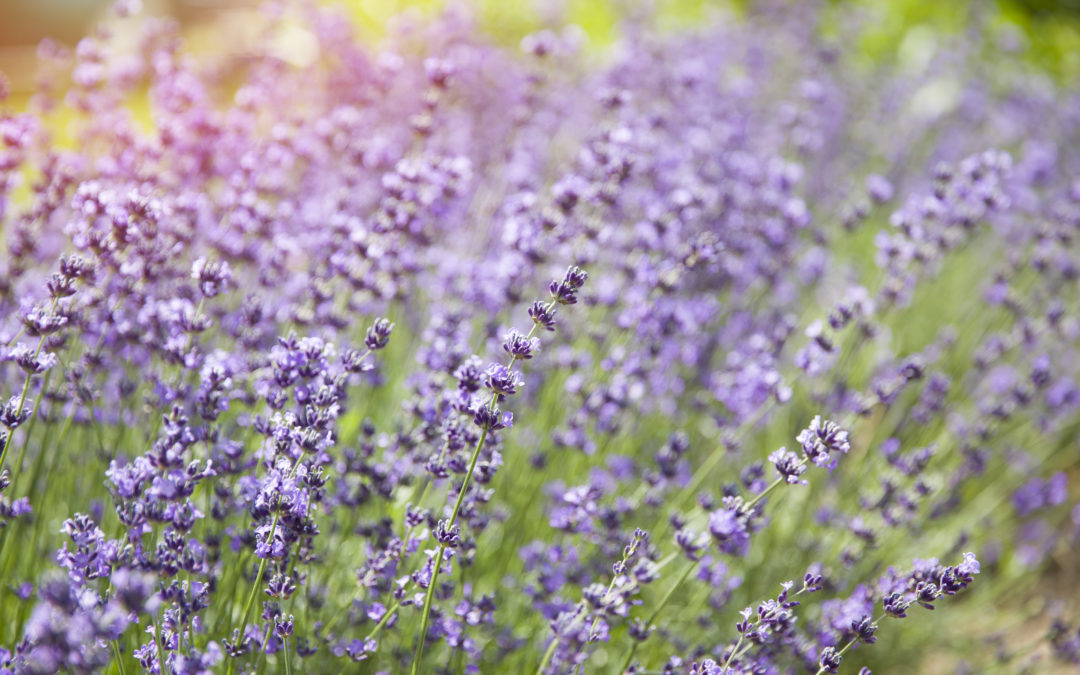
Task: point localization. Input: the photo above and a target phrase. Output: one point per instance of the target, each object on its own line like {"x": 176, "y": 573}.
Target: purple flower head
{"x": 565, "y": 292}
{"x": 729, "y": 528}
{"x": 135, "y": 591}
{"x": 1037, "y": 494}
{"x": 213, "y": 276}
{"x": 378, "y": 334}
{"x": 492, "y": 419}
{"x": 359, "y": 650}
{"x": 821, "y": 439}
{"x": 15, "y": 412}
{"x": 691, "y": 544}
{"x": 31, "y": 361}
{"x": 864, "y": 629}
{"x": 788, "y": 465}
{"x": 880, "y": 189}
{"x": 448, "y": 535}
{"x": 830, "y": 660}
{"x": 501, "y": 381}
{"x": 519, "y": 346}
{"x": 895, "y": 605}
{"x": 543, "y": 314}
{"x": 970, "y": 565}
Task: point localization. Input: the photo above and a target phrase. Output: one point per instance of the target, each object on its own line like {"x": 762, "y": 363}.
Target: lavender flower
{"x": 821, "y": 440}
{"x": 197, "y": 480}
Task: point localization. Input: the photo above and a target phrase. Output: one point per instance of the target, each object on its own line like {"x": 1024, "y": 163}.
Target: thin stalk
{"x": 842, "y": 651}
{"x": 686, "y": 574}
{"x": 29, "y": 430}
{"x": 22, "y": 397}
{"x": 453, "y": 518}
{"x": 656, "y": 612}
{"x": 162, "y": 668}
{"x": 119, "y": 657}
{"x": 849, "y": 645}
{"x": 772, "y": 486}
{"x": 547, "y": 655}
{"x": 262, "y": 646}
{"x": 731, "y": 656}
{"x": 262, "y": 567}
{"x": 441, "y": 549}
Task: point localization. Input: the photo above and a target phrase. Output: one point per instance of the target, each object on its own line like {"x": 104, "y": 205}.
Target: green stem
{"x": 453, "y": 518}
{"x": 18, "y": 411}
{"x": 656, "y": 612}
{"x": 427, "y": 609}
{"x": 849, "y": 645}
{"x": 262, "y": 567}
{"x": 731, "y": 656}
{"x": 22, "y": 397}
{"x": 671, "y": 591}
{"x": 839, "y": 653}
{"x": 162, "y": 668}
{"x": 356, "y": 596}
{"x": 119, "y": 657}
{"x": 547, "y": 655}
{"x": 255, "y": 586}
{"x": 29, "y": 430}
{"x": 765, "y": 493}
{"x": 262, "y": 649}
{"x": 441, "y": 548}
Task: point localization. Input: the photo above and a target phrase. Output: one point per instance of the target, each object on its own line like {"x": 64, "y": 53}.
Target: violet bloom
{"x": 821, "y": 440}
{"x": 788, "y": 465}
{"x": 729, "y": 528}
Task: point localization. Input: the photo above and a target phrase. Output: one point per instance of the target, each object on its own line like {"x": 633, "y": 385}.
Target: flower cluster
{"x": 301, "y": 367}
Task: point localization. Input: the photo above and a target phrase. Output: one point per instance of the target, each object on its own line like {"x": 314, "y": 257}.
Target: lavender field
{"x": 708, "y": 347}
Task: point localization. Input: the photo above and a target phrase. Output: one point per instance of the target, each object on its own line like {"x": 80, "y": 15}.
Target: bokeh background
{"x": 1043, "y": 31}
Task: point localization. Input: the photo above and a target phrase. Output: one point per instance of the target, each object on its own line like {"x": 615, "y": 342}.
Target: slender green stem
{"x": 731, "y": 656}
{"x": 259, "y": 575}
{"x": 453, "y": 518}
{"x": 22, "y": 397}
{"x": 16, "y": 336}
{"x": 356, "y": 596}
{"x": 18, "y": 411}
{"x": 437, "y": 560}
{"x": 701, "y": 474}
{"x": 772, "y": 486}
{"x": 29, "y": 430}
{"x": 262, "y": 649}
{"x": 119, "y": 657}
{"x": 735, "y": 653}
{"x": 547, "y": 655}
{"x": 288, "y": 665}
{"x": 262, "y": 567}
{"x": 849, "y": 645}
{"x": 656, "y": 612}
{"x": 385, "y": 618}
{"x": 671, "y": 591}
{"x": 703, "y": 471}
{"x": 686, "y": 573}
{"x": 840, "y": 653}
{"x": 606, "y": 597}
{"x": 162, "y": 667}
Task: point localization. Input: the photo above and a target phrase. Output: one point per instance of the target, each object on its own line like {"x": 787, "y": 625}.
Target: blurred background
{"x": 1045, "y": 31}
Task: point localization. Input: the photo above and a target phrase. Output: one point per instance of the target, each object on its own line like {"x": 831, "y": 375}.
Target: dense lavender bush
{"x": 728, "y": 354}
